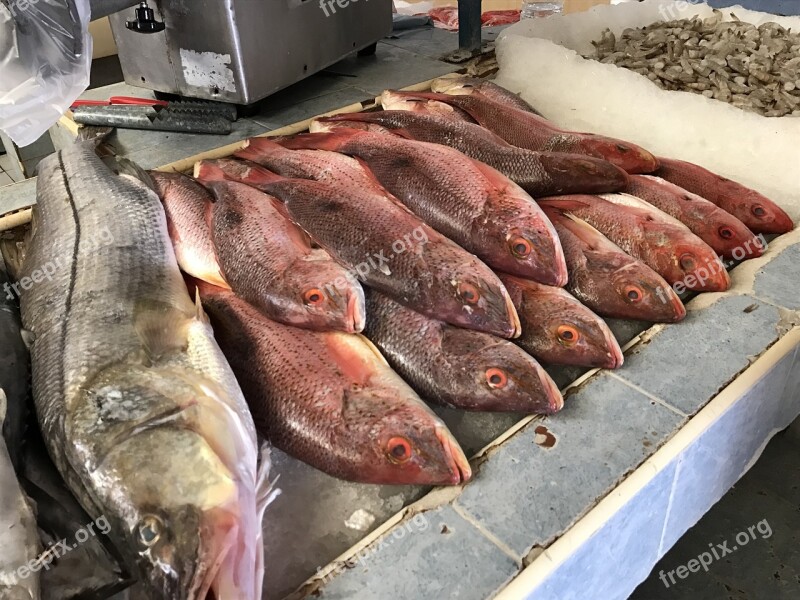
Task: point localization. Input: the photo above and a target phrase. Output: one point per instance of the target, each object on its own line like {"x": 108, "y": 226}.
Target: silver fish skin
{"x": 14, "y": 370}
{"x": 137, "y": 405}
{"x": 19, "y": 537}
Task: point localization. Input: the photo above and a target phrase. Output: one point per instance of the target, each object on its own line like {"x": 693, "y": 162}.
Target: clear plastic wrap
{"x": 45, "y": 59}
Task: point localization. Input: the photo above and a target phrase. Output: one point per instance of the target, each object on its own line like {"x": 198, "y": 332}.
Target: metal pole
{"x": 469, "y": 25}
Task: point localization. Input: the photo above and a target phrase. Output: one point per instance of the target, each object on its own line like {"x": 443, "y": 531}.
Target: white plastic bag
{"x": 45, "y": 59}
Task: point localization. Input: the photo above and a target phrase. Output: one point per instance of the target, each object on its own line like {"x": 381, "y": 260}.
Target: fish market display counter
{"x": 636, "y": 457}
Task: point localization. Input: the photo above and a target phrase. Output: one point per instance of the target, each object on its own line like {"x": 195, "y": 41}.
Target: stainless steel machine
{"x": 241, "y": 51}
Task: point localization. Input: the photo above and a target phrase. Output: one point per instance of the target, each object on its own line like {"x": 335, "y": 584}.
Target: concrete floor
{"x": 767, "y": 566}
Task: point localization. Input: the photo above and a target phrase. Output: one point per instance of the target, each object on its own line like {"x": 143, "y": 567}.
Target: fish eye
{"x": 633, "y": 293}
{"x": 314, "y": 297}
{"x": 151, "y": 529}
{"x": 469, "y": 293}
{"x": 496, "y": 378}
{"x": 399, "y": 449}
{"x": 568, "y": 335}
{"x": 759, "y": 210}
{"x": 688, "y": 262}
{"x": 725, "y": 233}
{"x": 521, "y": 247}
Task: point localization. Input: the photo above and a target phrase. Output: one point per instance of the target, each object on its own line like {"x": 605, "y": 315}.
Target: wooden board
{"x": 68, "y": 127}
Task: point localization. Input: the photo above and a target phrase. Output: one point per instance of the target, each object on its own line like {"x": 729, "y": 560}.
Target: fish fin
{"x": 99, "y": 137}
{"x": 374, "y": 349}
{"x": 200, "y": 314}
{"x": 161, "y": 328}
{"x": 266, "y": 490}
{"x": 3, "y": 406}
{"x": 256, "y": 147}
{"x": 258, "y": 175}
{"x": 127, "y": 168}
{"x": 28, "y": 338}
{"x": 562, "y": 204}
{"x": 446, "y": 98}
{"x": 206, "y": 171}
{"x": 495, "y": 177}
{"x": 332, "y": 141}
{"x": 588, "y": 234}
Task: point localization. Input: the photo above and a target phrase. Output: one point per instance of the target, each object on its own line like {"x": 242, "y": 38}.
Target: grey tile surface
{"x": 19, "y": 195}
{"x": 407, "y": 68}
{"x": 5, "y": 179}
{"x": 444, "y": 558}
{"x": 686, "y": 365}
{"x": 293, "y": 113}
{"x": 777, "y": 281}
{"x": 434, "y": 42}
{"x": 526, "y": 494}
{"x": 178, "y": 146}
{"x": 318, "y": 532}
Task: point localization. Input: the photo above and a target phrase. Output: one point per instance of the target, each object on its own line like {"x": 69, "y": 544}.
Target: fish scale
{"x": 527, "y": 130}
{"x": 469, "y": 202}
{"x": 331, "y": 400}
{"x": 362, "y": 227}
{"x": 755, "y": 210}
{"x": 453, "y": 366}
{"x": 718, "y": 228}
{"x": 185, "y": 203}
{"x": 538, "y": 173}
{"x": 130, "y": 387}
{"x": 271, "y": 263}
{"x": 557, "y": 329}
{"x": 641, "y": 230}
{"x": 609, "y": 281}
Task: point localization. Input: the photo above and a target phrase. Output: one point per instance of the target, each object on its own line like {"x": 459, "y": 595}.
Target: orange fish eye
{"x": 469, "y": 293}
{"x": 521, "y": 247}
{"x": 568, "y": 335}
{"x": 633, "y": 293}
{"x": 759, "y": 210}
{"x": 399, "y": 449}
{"x": 725, "y": 233}
{"x": 314, "y": 296}
{"x": 496, "y": 378}
{"x": 688, "y": 262}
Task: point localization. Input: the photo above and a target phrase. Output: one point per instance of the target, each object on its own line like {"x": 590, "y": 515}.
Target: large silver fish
{"x": 19, "y": 538}
{"x": 138, "y": 407}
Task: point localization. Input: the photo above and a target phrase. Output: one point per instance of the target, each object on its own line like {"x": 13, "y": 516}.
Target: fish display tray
{"x": 615, "y": 478}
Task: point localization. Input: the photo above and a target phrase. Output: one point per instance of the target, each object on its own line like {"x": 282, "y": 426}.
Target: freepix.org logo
{"x": 329, "y": 7}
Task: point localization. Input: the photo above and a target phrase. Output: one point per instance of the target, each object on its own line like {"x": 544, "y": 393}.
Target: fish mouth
{"x": 562, "y": 273}
{"x": 555, "y": 398}
{"x": 678, "y": 307}
{"x": 460, "y": 470}
{"x": 356, "y": 313}
{"x": 516, "y": 325}
{"x": 615, "y": 357}
{"x": 205, "y": 589}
